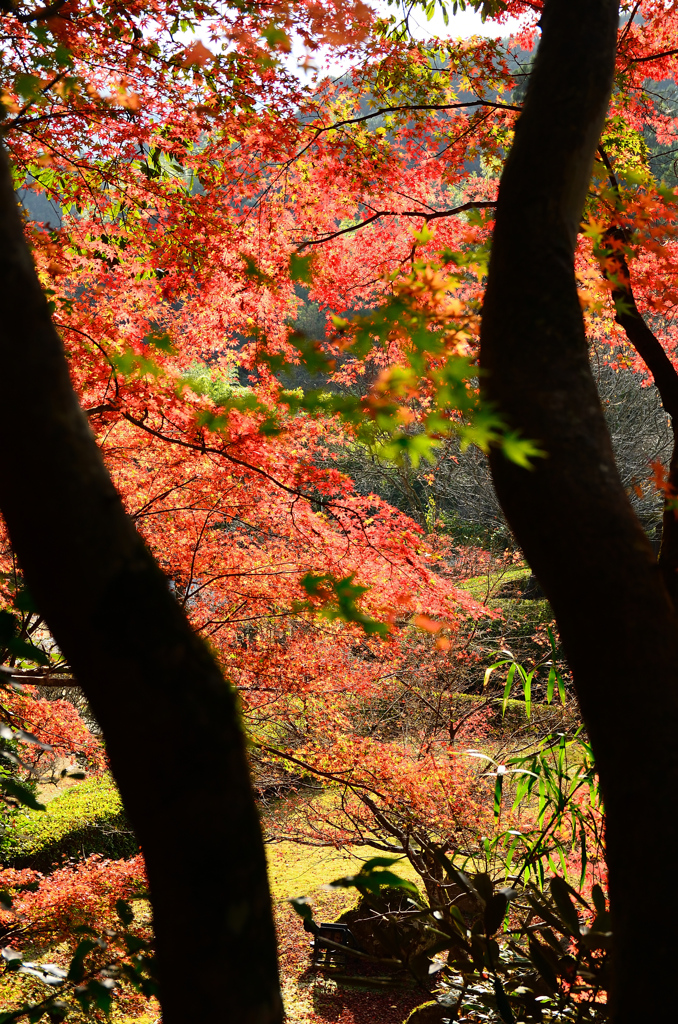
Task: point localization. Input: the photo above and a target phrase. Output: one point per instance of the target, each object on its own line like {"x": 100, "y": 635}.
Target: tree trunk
{"x": 570, "y": 514}
{"x": 169, "y": 719}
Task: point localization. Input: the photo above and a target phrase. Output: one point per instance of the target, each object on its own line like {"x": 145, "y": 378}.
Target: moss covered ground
{"x": 87, "y": 818}
{"x": 485, "y": 587}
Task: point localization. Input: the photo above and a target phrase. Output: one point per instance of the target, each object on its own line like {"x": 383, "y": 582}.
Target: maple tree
{"x": 71, "y": 905}
{"x": 200, "y": 185}
{"x": 144, "y": 461}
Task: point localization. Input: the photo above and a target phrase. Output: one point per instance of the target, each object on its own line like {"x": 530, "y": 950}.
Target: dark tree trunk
{"x": 570, "y": 514}
{"x": 169, "y": 718}
{"x": 668, "y": 552}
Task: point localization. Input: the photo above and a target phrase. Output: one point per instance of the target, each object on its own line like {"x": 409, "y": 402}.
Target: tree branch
{"x": 649, "y": 348}
{"x": 42, "y": 13}
{"x": 628, "y": 316}
{"x": 652, "y": 56}
{"x": 401, "y": 108}
{"x": 651, "y": 351}
{"x": 476, "y": 204}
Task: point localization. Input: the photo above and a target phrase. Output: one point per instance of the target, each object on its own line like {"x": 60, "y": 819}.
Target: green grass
{"x": 298, "y": 870}
{"x": 83, "y": 820}
{"x": 487, "y": 585}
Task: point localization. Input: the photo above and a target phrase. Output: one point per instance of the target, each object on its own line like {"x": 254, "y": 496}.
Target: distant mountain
{"x": 39, "y": 208}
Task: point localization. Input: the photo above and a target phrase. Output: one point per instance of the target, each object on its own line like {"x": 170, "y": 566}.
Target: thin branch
{"x": 474, "y": 205}
{"x": 205, "y": 449}
{"x": 628, "y": 24}
{"x": 45, "y": 89}
{"x": 398, "y": 109}
{"x": 628, "y": 316}
{"x": 652, "y": 56}
{"x": 208, "y": 449}
{"x": 417, "y": 106}
{"x": 334, "y": 776}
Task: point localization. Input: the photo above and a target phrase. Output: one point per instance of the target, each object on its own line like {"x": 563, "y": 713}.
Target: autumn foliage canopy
{"x": 263, "y": 272}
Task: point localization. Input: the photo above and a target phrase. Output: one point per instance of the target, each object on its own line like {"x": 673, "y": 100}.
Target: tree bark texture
{"x": 570, "y": 514}
{"x": 169, "y": 719}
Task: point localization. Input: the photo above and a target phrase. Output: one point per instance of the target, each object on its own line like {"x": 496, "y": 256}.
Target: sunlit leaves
{"x": 520, "y": 450}
{"x": 337, "y": 599}
{"x": 107, "y": 957}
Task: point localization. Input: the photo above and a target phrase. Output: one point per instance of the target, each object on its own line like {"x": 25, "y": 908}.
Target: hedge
{"x": 85, "y": 819}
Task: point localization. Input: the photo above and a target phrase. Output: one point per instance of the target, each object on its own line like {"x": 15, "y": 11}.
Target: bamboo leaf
{"x": 507, "y": 688}
{"x": 498, "y": 787}
{"x": 527, "y": 690}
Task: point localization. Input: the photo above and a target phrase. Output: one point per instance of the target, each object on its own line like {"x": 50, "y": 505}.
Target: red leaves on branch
{"x": 193, "y": 175}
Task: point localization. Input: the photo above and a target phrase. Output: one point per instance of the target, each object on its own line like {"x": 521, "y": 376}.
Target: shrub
{"x": 77, "y": 928}
{"x": 87, "y": 819}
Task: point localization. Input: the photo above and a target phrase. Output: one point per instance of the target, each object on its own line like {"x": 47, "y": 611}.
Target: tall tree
{"x": 150, "y": 680}
{"x": 570, "y": 513}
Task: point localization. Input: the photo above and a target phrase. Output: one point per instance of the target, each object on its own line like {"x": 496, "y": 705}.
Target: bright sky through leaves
{"x": 463, "y": 24}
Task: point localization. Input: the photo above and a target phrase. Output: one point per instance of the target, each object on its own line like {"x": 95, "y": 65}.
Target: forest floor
{"x": 310, "y": 996}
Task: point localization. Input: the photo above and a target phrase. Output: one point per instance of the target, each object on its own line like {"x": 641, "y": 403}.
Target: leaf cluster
{"x": 100, "y": 964}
